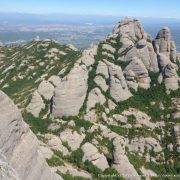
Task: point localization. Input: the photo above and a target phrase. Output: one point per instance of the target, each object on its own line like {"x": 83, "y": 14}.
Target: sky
{"x": 136, "y": 8}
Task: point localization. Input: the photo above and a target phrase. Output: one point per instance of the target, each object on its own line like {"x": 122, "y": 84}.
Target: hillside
{"x": 111, "y": 109}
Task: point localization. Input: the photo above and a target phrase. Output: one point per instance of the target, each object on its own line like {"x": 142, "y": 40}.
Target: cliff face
{"x": 111, "y": 108}
{"x": 20, "y": 154}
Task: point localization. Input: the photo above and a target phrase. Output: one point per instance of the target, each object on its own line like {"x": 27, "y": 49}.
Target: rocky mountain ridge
{"x": 111, "y": 109}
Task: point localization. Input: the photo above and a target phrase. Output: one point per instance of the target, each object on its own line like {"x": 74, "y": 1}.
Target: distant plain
{"x": 82, "y": 31}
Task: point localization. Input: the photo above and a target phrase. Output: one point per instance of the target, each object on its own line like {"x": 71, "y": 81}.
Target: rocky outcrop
{"x": 101, "y": 82}
{"x": 171, "y": 78}
{"x": 95, "y": 97}
{"x": 70, "y": 94}
{"x": 54, "y": 80}
{"x": 55, "y": 143}
{"x": 159, "y": 54}
{"x": 7, "y": 172}
{"x": 91, "y": 154}
{"x": 109, "y": 48}
{"x": 20, "y": 146}
{"x": 111, "y": 105}
{"x": 46, "y": 90}
{"x": 73, "y": 139}
{"x": 141, "y": 118}
{"x": 102, "y": 69}
{"x": 118, "y": 87}
{"x": 149, "y": 174}
{"x": 88, "y": 56}
{"x": 121, "y": 162}
{"x": 36, "y": 105}
{"x": 166, "y": 51}
{"x": 163, "y": 44}
{"x": 135, "y": 42}
{"x": 136, "y": 73}
{"x": 144, "y": 144}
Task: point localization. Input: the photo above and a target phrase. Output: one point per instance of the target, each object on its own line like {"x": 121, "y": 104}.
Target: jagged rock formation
{"x": 135, "y": 42}
{"x": 73, "y": 139}
{"x": 121, "y": 162}
{"x": 69, "y": 96}
{"x": 46, "y": 90}
{"x": 94, "y": 98}
{"x": 20, "y": 146}
{"x": 137, "y": 51}
{"x": 118, "y": 87}
{"x": 136, "y": 69}
{"x": 166, "y": 51}
{"x": 112, "y": 108}
{"x": 36, "y": 105}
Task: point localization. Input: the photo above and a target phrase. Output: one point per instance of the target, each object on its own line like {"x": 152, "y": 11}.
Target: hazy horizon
{"x": 135, "y": 8}
{"x": 79, "y": 30}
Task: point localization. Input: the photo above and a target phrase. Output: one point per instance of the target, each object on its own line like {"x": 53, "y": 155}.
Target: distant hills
{"x": 22, "y": 27}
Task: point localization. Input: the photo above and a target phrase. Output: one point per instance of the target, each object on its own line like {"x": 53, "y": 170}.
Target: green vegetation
{"x": 79, "y": 122}
{"x": 111, "y": 174}
{"x": 65, "y": 144}
{"x": 92, "y": 73}
{"x": 92, "y": 169}
{"x": 37, "y": 124}
{"x": 31, "y": 62}
{"x": 140, "y": 132}
{"x": 143, "y": 98}
{"x": 76, "y": 157}
{"x": 105, "y": 142}
{"x": 119, "y": 130}
{"x": 70, "y": 177}
{"x": 133, "y": 132}
{"x": 136, "y": 160}
{"x": 55, "y": 161}
{"x": 91, "y": 77}
{"x": 131, "y": 119}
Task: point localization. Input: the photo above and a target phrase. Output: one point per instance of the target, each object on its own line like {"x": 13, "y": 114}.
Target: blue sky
{"x": 139, "y": 8}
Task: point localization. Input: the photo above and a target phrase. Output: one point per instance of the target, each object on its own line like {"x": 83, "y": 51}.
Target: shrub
{"x": 37, "y": 124}
{"x": 111, "y": 174}
{"x": 91, "y": 168}
{"x": 70, "y": 177}
{"x": 119, "y": 130}
{"x": 76, "y": 157}
{"x": 55, "y": 161}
